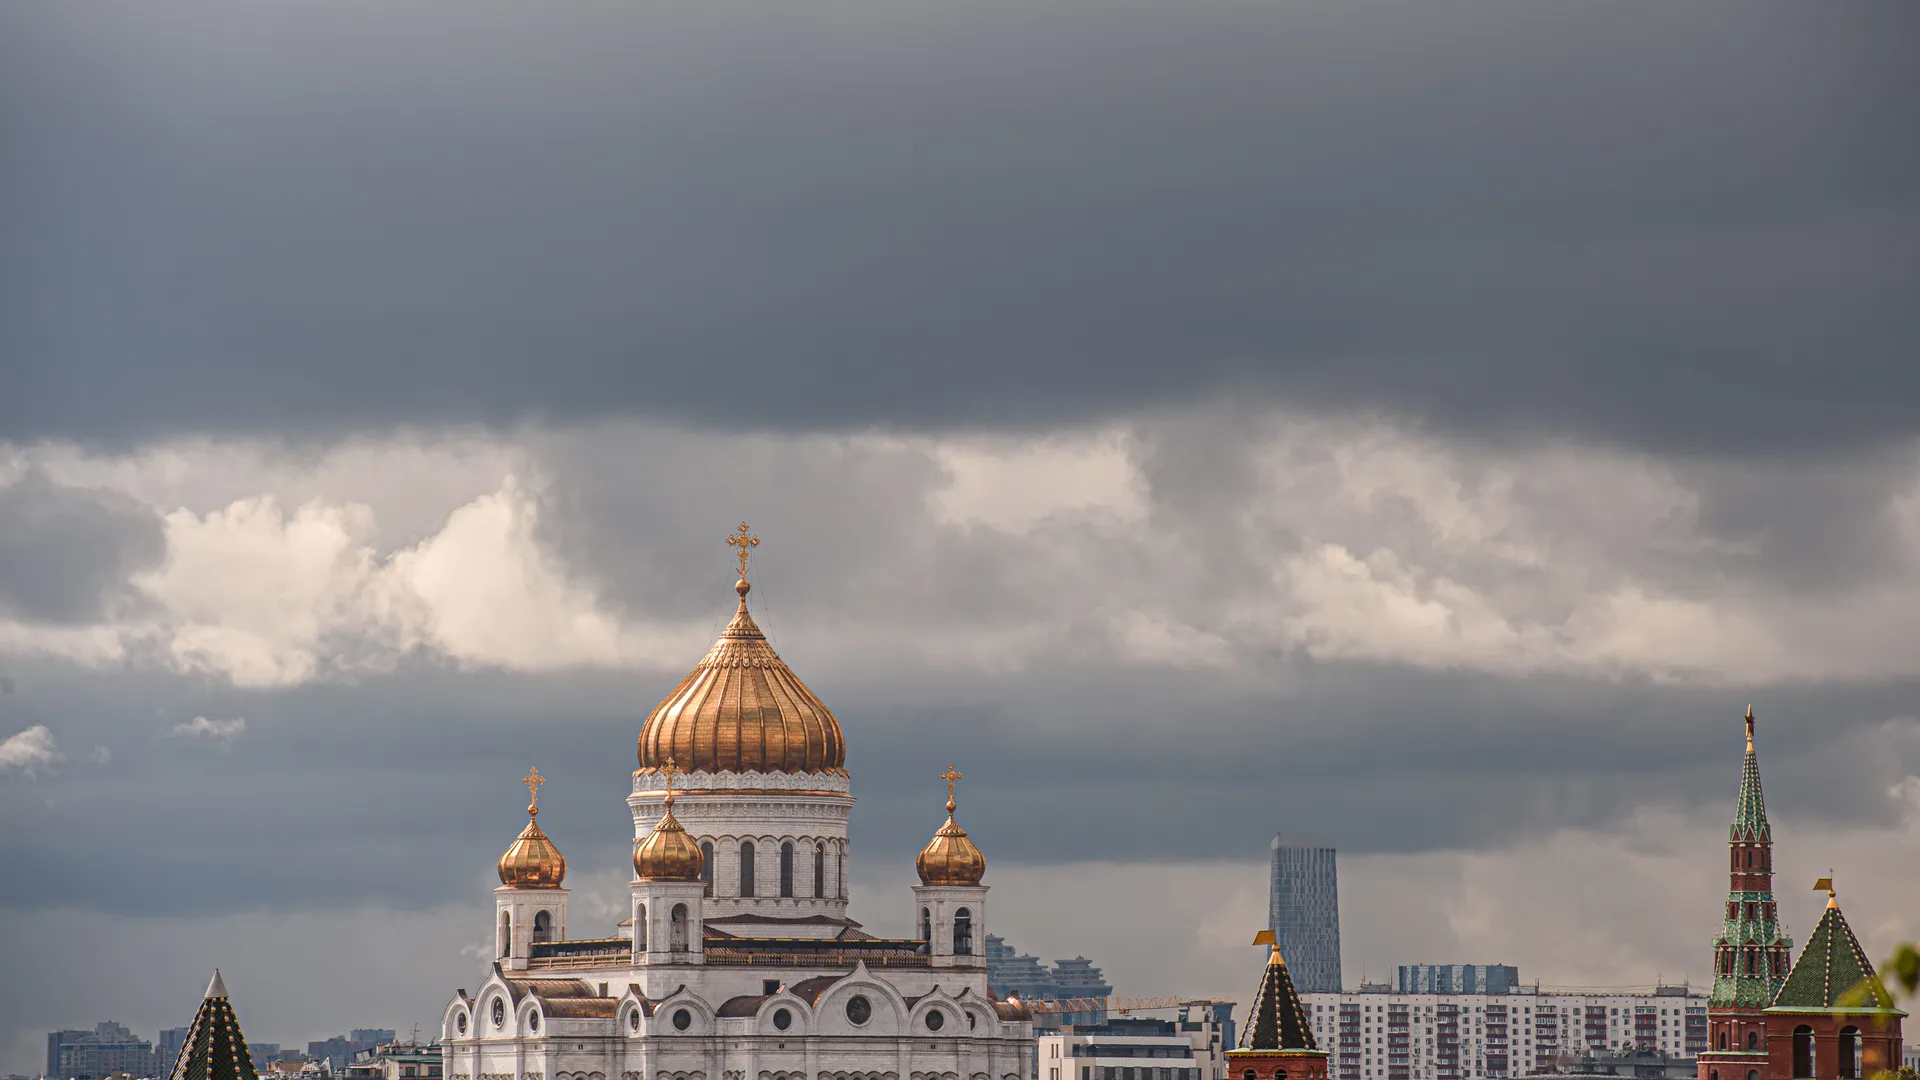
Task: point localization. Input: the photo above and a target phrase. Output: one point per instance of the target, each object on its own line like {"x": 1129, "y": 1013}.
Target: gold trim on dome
{"x": 951, "y": 857}
{"x": 741, "y": 709}
{"x": 533, "y": 862}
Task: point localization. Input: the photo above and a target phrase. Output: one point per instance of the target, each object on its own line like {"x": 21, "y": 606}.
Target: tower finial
{"x": 533, "y": 780}
{"x": 951, "y": 775}
{"x": 743, "y": 541}
{"x": 670, "y": 770}
{"x": 1833, "y": 898}
{"x": 1749, "y": 729}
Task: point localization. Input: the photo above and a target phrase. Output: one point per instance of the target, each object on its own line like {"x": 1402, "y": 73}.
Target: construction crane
{"x": 1123, "y": 1006}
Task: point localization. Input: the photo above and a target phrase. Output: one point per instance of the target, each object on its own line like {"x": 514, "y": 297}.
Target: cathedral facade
{"x": 739, "y": 960}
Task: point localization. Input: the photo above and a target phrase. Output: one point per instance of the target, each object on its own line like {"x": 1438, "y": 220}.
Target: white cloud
{"x": 201, "y": 727}
{"x": 30, "y": 752}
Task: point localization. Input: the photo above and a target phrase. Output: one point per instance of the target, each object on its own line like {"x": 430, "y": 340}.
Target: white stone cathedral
{"x": 739, "y": 961}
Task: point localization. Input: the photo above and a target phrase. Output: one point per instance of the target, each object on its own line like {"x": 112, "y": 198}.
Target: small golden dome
{"x": 668, "y": 853}
{"x": 742, "y": 709}
{"x": 951, "y": 857}
{"x": 533, "y": 862}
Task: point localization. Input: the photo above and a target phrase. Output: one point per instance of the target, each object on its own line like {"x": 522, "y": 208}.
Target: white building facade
{"x": 739, "y": 960}
{"x": 1386, "y": 1036}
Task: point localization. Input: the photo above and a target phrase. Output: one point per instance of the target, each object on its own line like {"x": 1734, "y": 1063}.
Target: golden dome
{"x": 742, "y": 709}
{"x": 951, "y": 857}
{"x": 668, "y": 853}
{"x": 533, "y": 862}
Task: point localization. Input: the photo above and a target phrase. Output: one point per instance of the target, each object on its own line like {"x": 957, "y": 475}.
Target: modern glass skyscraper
{"x": 1303, "y": 909}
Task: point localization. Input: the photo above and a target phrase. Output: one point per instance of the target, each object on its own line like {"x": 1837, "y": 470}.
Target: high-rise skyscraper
{"x": 1303, "y": 910}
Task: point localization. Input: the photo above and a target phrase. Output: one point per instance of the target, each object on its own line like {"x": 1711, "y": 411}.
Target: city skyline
{"x": 1423, "y": 427}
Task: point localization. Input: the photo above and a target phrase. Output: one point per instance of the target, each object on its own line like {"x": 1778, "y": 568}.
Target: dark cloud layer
{"x": 66, "y": 553}
{"x": 1693, "y": 226}
{"x": 330, "y": 783}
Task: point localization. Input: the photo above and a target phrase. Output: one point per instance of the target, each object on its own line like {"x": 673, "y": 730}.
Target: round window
{"x": 859, "y": 1009}
{"x": 499, "y": 1013}
{"x": 682, "y": 1019}
{"x": 461, "y": 1023}
{"x": 782, "y": 1019}
{"x": 633, "y": 1020}
{"x": 936, "y": 1020}
{"x": 533, "y": 1021}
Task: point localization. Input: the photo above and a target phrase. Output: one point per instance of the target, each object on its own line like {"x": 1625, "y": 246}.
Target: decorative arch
{"x": 543, "y": 925}
{"x": 506, "y": 933}
{"x": 1852, "y": 1048}
{"x": 639, "y": 928}
{"x": 963, "y": 932}
{"x": 677, "y": 922}
{"x": 746, "y": 868}
{"x": 1803, "y": 1051}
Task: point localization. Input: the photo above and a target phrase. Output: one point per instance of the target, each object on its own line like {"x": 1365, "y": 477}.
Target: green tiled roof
{"x": 1750, "y": 814}
{"x": 1278, "y": 1022}
{"x": 1831, "y": 965}
{"x": 215, "y": 1049}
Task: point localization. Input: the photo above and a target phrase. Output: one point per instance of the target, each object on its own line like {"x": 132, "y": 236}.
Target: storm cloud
{"x": 1692, "y": 228}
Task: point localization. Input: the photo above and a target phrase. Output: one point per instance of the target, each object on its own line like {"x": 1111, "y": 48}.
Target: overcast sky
{"x": 1425, "y": 427}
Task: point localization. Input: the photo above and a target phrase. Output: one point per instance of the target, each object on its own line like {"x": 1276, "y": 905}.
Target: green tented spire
{"x": 1831, "y": 965}
{"x": 1750, "y": 814}
{"x": 215, "y": 1049}
{"x": 1278, "y": 1021}
{"x": 1751, "y": 953}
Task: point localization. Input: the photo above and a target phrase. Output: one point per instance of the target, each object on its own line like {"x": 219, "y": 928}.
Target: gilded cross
{"x": 671, "y": 768}
{"x": 743, "y": 541}
{"x": 950, "y": 775}
{"x": 533, "y": 780}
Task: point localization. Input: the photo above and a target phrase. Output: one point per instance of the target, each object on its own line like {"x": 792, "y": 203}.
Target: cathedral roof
{"x": 668, "y": 853}
{"x": 741, "y": 709}
{"x": 215, "y": 1049}
{"x": 951, "y": 857}
{"x": 1278, "y": 1022}
{"x": 1832, "y": 965}
{"x": 1750, "y": 812}
{"x": 533, "y": 862}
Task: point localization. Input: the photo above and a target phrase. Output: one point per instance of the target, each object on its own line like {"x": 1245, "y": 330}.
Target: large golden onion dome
{"x": 742, "y": 709}
{"x": 951, "y": 857}
{"x": 533, "y": 862}
{"x": 668, "y": 853}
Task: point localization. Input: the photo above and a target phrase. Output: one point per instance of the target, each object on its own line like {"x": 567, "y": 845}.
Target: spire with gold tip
{"x": 533, "y": 862}
{"x": 951, "y": 857}
{"x": 215, "y": 1049}
{"x": 1279, "y": 1039}
{"x": 668, "y": 853}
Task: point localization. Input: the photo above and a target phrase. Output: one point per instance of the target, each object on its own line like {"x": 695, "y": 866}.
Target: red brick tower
{"x": 1751, "y": 956}
{"x": 1833, "y": 1018}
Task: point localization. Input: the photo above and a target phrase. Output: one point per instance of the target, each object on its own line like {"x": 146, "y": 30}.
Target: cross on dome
{"x": 950, "y": 775}
{"x": 533, "y": 780}
{"x": 744, "y": 542}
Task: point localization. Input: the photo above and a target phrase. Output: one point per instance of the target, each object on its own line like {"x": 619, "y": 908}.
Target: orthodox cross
{"x": 533, "y": 780}
{"x": 950, "y": 775}
{"x": 743, "y": 541}
{"x": 670, "y": 769}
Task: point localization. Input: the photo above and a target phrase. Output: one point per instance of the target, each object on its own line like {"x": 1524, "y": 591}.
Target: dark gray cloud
{"x": 66, "y": 553}
{"x": 419, "y": 770}
{"x": 1688, "y": 227}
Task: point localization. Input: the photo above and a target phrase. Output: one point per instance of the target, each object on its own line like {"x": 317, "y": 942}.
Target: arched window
{"x": 506, "y": 933}
{"x": 706, "y": 867}
{"x": 1753, "y": 1074}
{"x": 786, "y": 869}
{"x": 820, "y": 871}
{"x": 1753, "y": 1040}
{"x": 640, "y": 928}
{"x": 1248, "y": 1075}
{"x": 542, "y": 926}
{"x": 677, "y": 929}
{"x": 963, "y": 932}
{"x": 926, "y": 924}
{"x": 1850, "y": 1053}
{"x": 1723, "y": 1040}
{"x": 1803, "y": 1051}
{"x": 1749, "y": 860}
{"x": 1714, "y": 1075}
{"x": 746, "y": 868}
{"x": 841, "y": 872}
{"x": 1736, "y": 858}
